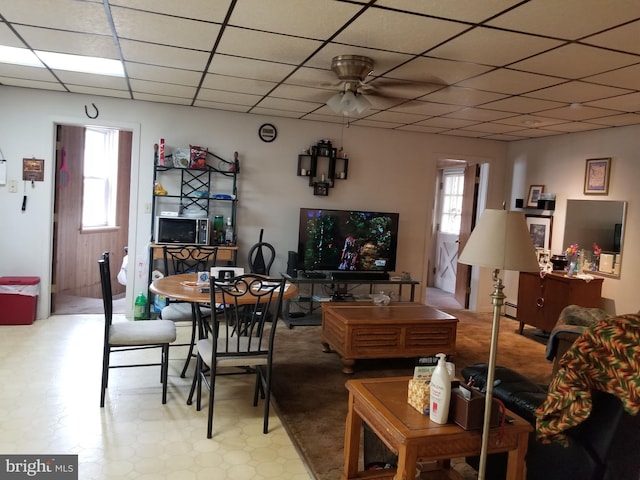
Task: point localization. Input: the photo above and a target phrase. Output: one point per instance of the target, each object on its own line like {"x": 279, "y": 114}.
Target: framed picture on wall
{"x": 540, "y": 230}
{"x": 534, "y": 195}
{"x": 596, "y": 176}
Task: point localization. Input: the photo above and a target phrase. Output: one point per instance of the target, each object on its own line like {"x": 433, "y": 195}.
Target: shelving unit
{"x": 323, "y": 167}
{"x": 212, "y": 190}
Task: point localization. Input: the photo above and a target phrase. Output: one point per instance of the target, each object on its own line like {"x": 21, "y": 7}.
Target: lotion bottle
{"x": 440, "y": 395}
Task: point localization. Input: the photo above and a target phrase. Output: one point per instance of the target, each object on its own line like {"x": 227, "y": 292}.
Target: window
{"x": 452, "y": 193}
{"x": 100, "y": 178}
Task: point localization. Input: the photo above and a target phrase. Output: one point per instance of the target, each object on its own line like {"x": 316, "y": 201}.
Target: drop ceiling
{"x": 496, "y": 69}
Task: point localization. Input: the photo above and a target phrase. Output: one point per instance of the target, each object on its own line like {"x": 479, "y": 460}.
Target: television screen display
{"x": 347, "y": 240}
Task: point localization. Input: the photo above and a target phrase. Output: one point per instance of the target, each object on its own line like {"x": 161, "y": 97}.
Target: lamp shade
{"x": 501, "y": 241}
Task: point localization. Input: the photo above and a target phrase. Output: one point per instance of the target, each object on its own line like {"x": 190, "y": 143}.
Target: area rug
{"x": 309, "y": 391}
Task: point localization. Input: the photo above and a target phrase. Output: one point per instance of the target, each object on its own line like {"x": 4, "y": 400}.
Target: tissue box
{"x": 469, "y": 414}
{"x": 419, "y": 393}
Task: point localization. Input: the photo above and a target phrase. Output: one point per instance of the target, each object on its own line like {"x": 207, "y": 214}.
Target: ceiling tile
{"x": 618, "y": 120}
{"x": 624, "y": 103}
{"x": 104, "y": 92}
{"x": 26, "y": 73}
{"x": 163, "y": 29}
{"x": 479, "y": 114}
{"x": 291, "y": 105}
{"x": 302, "y": 93}
{"x": 228, "y": 97}
{"x": 624, "y": 38}
{"x": 570, "y": 19}
{"x": 438, "y": 71}
{"x": 492, "y": 47}
{"x": 161, "y": 88}
{"x": 87, "y": 17}
{"x": 510, "y": 81}
{"x": 90, "y": 80}
{"x": 163, "y": 56}
{"x": 627, "y": 77}
{"x": 29, "y": 83}
{"x": 222, "y": 106}
{"x": 576, "y": 92}
{"x": 249, "y": 68}
{"x": 293, "y": 17}
{"x": 521, "y": 105}
{"x": 164, "y": 74}
{"x": 235, "y": 84}
{"x": 576, "y": 114}
{"x": 425, "y": 108}
{"x": 205, "y": 10}
{"x": 384, "y": 28}
{"x": 266, "y": 46}
{"x": 73, "y": 43}
{"x": 395, "y": 117}
{"x": 575, "y": 61}
{"x": 466, "y": 10}
{"x": 275, "y": 112}
{"x": 444, "y": 122}
{"x": 462, "y": 96}
{"x": 149, "y": 97}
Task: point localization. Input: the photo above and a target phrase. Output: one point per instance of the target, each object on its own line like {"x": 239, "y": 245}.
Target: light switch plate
{"x": 13, "y": 186}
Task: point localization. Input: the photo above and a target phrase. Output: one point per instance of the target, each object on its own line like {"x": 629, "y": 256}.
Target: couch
{"x": 603, "y": 446}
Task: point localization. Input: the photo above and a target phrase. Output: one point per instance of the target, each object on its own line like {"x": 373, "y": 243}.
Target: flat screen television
{"x": 347, "y": 240}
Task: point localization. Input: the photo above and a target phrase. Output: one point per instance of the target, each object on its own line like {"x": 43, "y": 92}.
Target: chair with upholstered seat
{"x": 241, "y": 337}
{"x": 187, "y": 259}
{"x": 131, "y": 335}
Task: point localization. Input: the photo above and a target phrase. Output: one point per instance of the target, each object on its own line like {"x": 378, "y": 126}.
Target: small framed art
{"x": 596, "y": 176}
{"x": 534, "y": 195}
{"x": 540, "y": 230}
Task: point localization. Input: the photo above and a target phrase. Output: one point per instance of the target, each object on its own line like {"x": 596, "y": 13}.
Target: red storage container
{"x": 18, "y": 300}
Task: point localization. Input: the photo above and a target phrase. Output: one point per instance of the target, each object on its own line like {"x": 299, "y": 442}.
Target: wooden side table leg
{"x": 520, "y": 327}
{"x": 516, "y": 463}
{"x": 351, "y": 442}
{"x": 407, "y": 463}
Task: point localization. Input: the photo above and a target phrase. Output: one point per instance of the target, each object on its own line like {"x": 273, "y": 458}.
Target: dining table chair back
{"x": 242, "y": 337}
{"x": 126, "y": 335}
{"x": 261, "y": 257}
{"x": 187, "y": 259}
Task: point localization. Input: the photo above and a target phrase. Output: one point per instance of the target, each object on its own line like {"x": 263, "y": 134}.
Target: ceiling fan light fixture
{"x": 362, "y": 103}
{"x": 334, "y": 102}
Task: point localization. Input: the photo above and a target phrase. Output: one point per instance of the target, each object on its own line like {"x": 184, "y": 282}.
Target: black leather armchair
{"x": 604, "y": 447}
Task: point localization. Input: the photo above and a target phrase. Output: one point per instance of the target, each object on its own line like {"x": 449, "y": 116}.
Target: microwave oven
{"x": 182, "y": 230}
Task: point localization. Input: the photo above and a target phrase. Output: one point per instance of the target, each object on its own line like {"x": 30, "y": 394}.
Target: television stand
{"x": 355, "y": 275}
{"x": 312, "y": 292}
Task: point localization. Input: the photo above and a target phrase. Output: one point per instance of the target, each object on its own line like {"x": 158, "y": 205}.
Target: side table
{"x": 382, "y": 404}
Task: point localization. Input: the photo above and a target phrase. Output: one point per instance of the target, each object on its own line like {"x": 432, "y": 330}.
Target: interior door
{"x": 469, "y": 208}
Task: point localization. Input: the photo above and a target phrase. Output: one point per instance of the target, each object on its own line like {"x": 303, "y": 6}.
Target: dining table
{"x": 185, "y": 288}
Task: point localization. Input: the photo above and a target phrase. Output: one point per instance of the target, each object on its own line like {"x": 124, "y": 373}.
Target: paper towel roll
{"x": 156, "y": 274}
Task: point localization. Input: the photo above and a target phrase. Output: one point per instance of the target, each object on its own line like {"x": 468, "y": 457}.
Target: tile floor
{"x": 50, "y": 397}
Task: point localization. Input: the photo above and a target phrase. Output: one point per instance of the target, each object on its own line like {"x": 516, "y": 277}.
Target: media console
{"x": 313, "y": 291}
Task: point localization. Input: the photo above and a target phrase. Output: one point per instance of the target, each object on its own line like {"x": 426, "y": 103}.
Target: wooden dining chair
{"x": 242, "y": 337}
{"x": 131, "y": 335}
{"x": 187, "y": 259}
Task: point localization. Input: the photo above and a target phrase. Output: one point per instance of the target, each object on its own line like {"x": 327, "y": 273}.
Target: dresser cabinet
{"x": 541, "y": 299}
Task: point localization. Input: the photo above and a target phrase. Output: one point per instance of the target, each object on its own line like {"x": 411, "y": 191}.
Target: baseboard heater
{"x": 365, "y": 276}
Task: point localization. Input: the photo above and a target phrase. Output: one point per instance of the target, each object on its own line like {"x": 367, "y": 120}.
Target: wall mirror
{"x": 597, "y": 221}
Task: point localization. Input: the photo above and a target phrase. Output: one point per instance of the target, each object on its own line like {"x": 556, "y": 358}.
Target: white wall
{"x": 388, "y": 171}
{"x": 559, "y": 163}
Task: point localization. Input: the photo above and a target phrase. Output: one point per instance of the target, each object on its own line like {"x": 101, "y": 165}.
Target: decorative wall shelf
{"x": 322, "y": 166}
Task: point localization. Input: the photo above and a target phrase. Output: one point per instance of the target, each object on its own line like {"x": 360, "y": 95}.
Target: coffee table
{"x": 399, "y": 330}
{"x": 382, "y": 404}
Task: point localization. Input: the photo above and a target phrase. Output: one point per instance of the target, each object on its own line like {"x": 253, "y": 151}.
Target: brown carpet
{"x": 308, "y": 384}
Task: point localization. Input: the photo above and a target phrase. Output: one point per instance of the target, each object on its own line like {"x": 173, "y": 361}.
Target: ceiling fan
{"x": 352, "y": 72}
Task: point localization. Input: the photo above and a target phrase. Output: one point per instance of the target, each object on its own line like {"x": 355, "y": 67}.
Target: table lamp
{"x": 500, "y": 241}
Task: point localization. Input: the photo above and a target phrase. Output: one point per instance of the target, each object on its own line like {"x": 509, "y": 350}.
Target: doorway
{"x": 456, "y": 205}
{"x": 77, "y": 240}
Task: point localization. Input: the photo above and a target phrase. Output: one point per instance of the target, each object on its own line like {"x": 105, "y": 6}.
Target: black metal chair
{"x": 241, "y": 337}
{"x": 187, "y": 259}
{"x": 261, "y": 257}
{"x": 131, "y": 335}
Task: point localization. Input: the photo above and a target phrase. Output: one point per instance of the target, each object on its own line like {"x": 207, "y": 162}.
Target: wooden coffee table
{"x": 382, "y": 404}
{"x": 399, "y": 330}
